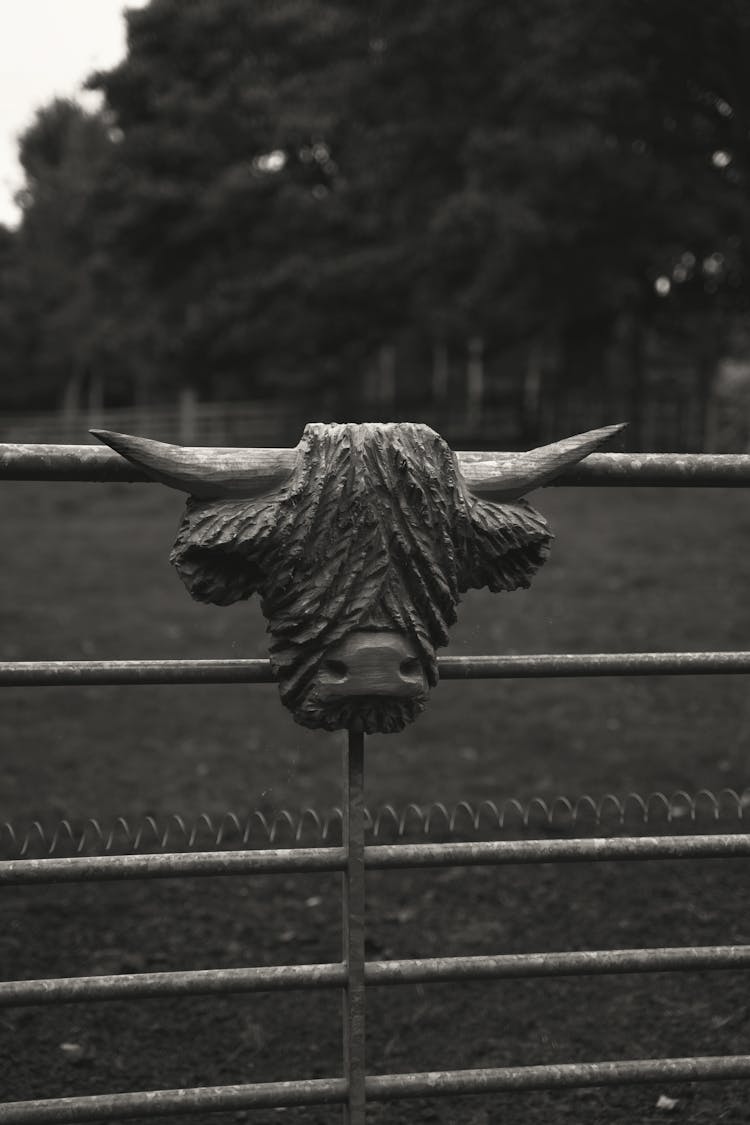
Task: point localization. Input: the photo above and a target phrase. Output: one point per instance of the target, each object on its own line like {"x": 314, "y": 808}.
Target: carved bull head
{"x": 359, "y": 542}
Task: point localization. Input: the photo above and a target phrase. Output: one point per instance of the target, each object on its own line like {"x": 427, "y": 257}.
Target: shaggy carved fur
{"x": 375, "y": 529}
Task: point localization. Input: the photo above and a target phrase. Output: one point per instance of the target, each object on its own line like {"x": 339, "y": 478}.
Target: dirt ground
{"x": 85, "y": 576}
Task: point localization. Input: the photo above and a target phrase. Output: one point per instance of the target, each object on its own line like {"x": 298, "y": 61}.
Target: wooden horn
{"x": 508, "y": 476}
{"x": 208, "y": 473}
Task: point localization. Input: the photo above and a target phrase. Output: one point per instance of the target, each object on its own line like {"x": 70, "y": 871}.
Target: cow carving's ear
{"x": 221, "y": 546}
{"x": 505, "y": 546}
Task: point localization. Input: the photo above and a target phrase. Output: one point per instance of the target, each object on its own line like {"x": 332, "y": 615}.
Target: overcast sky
{"x": 47, "y": 49}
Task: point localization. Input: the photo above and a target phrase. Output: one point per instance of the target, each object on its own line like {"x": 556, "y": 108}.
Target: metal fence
{"x": 352, "y": 858}
{"x": 188, "y": 422}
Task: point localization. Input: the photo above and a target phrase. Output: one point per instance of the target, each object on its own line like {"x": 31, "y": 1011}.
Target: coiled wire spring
{"x": 258, "y": 828}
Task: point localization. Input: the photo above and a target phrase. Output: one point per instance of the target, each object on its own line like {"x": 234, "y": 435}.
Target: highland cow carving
{"x": 359, "y": 543}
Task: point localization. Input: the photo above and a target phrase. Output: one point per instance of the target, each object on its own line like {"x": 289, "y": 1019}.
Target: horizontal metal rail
{"x": 564, "y": 1075}
{"x": 559, "y": 665}
{"x": 523, "y": 966}
{"x": 78, "y": 673}
{"x": 92, "y": 463}
{"x": 75, "y": 673}
{"x": 381, "y": 1087}
{"x": 719, "y": 846}
{"x": 85, "y": 869}
{"x": 379, "y": 857}
{"x": 198, "y": 982}
{"x": 160, "y": 1103}
{"x": 423, "y": 970}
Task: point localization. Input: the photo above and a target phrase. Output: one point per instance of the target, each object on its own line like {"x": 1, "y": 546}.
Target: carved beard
{"x": 369, "y": 714}
{"x": 372, "y": 714}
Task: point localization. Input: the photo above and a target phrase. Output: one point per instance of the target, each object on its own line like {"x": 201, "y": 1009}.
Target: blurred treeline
{"x": 286, "y": 198}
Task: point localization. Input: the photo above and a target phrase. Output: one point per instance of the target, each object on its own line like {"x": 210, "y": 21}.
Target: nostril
{"x": 335, "y": 670}
{"x": 410, "y": 667}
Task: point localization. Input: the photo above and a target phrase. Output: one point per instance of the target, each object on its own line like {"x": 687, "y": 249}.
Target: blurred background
{"x": 510, "y": 221}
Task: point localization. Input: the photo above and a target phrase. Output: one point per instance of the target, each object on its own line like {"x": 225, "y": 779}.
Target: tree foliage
{"x": 59, "y": 273}
{"x": 274, "y": 190}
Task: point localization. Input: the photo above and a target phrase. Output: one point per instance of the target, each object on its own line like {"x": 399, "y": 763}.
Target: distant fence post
{"x": 186, "y": 415}
{"x": 532, "y": 390}
{"x": 387, "y": 389}
{"x": 474, "y": 380}
{"x": 439, "y": 372}
{"x": 94, "y": 402}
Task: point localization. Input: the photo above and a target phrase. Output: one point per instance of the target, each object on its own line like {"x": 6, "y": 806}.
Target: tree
{"x": 14, "y": 334}
{"x": 61, "y": 290}
{"x": 213, "y": 204}
{"x": 283, "y": 187}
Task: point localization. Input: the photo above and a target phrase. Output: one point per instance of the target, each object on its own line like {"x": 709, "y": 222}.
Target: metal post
{"x": 353, "y": 929}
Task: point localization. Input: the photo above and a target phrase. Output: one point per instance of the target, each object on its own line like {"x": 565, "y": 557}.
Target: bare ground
{"x": 85, "y": 575}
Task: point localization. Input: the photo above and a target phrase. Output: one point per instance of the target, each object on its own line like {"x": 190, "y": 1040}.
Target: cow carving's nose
{"x": 370, "y": 663}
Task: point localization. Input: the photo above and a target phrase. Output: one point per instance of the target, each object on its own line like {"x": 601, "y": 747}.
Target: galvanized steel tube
{"x": 93, "y": 463}
{"x": 66, "y": 463}
{"x": 558, "y": 665}
{"x": 564, "y": 1075}
{"x": 84, "y": 869}
{"x": 381, "y": 1087}
{"x": 377, "y": 856}
{"x": 424, "y": 970}
{"x": 135, "y": 986}
{"x": 159, "y": 1103}
{"x": 517, "y": 966}
{"x": 76, "y": 673}
{"x": 676, "y": 470}
{"x": 381, "y": 856}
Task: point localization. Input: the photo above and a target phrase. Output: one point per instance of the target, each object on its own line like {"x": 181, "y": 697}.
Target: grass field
{"x": 85, "y": 575}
